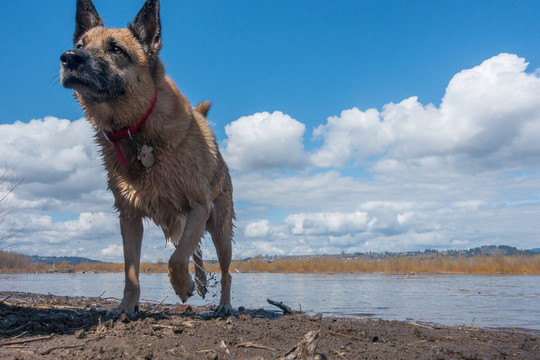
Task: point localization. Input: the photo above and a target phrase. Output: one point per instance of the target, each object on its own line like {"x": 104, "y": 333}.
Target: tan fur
{"x": 187, "y": 191}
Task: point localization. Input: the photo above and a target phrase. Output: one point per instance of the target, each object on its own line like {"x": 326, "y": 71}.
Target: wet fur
{"x": 188, "y": 190}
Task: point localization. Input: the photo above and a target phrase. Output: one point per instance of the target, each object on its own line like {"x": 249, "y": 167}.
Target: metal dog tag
{"x": 146, "y": 156}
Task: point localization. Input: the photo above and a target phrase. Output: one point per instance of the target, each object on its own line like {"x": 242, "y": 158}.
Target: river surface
{"x": 470, "y": 300}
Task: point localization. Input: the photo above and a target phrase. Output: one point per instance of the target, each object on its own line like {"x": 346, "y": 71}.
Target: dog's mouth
{"x": 73, "y": 80}
{"x": 87, "y": 87}
{"x": 90, "y": 78}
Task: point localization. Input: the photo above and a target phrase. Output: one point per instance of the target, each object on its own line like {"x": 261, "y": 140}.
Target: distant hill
{"x": 74, "y": 260}
{"x": 535, "y": 250}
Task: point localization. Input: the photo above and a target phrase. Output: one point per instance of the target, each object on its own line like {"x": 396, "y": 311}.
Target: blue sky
{"x": 349, "y": 125}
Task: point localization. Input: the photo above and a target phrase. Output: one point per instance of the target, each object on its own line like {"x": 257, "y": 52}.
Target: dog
{"x": 160, "y": 154}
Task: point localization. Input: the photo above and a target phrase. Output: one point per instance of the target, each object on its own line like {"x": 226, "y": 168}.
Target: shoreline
{"x": 47, "y": 326}
{"x": 427, "y": 273}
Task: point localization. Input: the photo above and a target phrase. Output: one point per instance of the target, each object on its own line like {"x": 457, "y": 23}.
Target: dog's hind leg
{"x": 200, "y": 274}
{"x": 220, "y": 226}
{"x": 185, "y": 247}
{"x": 132, "y": 233}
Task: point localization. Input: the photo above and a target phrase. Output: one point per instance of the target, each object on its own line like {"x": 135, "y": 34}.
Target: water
{"x": 471, "y": 300}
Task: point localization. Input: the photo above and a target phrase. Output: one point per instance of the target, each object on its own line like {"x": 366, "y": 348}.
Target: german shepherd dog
{"x": 161, "y": 156}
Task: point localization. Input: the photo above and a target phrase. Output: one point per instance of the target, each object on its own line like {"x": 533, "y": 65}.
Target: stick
{"x": 22, "y": 341}
{"x": 157, "y": 307}
{"x": 250, "y": 344}
{"x": 345, "y": 335}
{"x": 4, "y": 300}
{"x": 285, "y": 308}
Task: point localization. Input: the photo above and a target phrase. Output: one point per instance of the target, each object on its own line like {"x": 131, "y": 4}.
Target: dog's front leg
{"x": 132, "y": 234}
{"x": 185, "y": 247}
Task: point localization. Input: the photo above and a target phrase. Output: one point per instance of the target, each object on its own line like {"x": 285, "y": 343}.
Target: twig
{"x": 4, "y": 300}
{"x": 345, "y": 335}
{"x": 157, "y": 307}
{"x": 250, "y": 344}
{"x": 285, "y": 308}
{"x": 422, "y": 326}
{"x": 22, "y": 341}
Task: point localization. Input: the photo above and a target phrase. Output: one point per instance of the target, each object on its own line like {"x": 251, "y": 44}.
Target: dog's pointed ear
{"x": 147, "y": 26}
{"x": 86, "y": 18}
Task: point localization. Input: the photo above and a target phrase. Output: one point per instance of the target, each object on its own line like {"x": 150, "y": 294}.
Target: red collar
{"x": 129, "y": 131}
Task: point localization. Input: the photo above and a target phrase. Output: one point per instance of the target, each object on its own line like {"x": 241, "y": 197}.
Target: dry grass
{"x": 416, "y": 264}
{"x": 406, "y": 264}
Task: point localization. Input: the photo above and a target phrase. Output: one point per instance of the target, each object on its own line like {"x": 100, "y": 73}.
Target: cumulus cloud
{"x": 487, "y": 120}
{"x": 332, "y": 223}
{"x": 459, "y": 174}
{"x": 452, "y": 175}
{"x": 257, "y": 229}
{"x": 265, "y": 141}
{"x": 56, "y": 159}
{"x": 113, "y": 250}
{"x": 355, "y": 134}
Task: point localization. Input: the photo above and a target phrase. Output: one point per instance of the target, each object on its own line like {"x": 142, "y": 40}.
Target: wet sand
{"x": 36, "y": 326}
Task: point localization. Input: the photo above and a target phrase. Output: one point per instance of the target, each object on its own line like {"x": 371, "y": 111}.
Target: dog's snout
{"x": 72, "y": 59}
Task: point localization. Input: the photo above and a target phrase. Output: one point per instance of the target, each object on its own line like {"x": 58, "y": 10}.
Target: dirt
{"x": 53, "y": 327}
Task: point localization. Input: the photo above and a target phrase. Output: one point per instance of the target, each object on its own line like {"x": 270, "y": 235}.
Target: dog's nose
{"x": 72, "y": 59}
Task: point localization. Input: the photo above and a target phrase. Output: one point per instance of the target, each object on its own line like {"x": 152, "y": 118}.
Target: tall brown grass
{"x": 415, "y": 264}
{"x": 406, "y": 264}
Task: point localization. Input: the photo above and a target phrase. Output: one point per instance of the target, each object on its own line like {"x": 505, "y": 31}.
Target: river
{"x": 470, "y": 300}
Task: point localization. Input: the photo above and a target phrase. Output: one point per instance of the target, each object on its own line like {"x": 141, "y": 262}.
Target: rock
{"x": 530, "y": 345}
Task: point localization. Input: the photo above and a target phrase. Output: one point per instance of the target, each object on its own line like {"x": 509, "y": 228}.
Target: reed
{"x": 415, "y": 264}
{"x": 394, "y": 264}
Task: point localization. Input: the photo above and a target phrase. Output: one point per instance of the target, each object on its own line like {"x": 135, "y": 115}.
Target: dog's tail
{"x": 204, "y": 107}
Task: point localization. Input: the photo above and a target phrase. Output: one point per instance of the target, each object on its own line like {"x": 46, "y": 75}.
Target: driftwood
{"x": 285, "y": 308}
{"x": 305, "y": 350}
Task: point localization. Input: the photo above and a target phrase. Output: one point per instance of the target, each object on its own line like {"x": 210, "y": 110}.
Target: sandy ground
{"x": 51, "y": 327}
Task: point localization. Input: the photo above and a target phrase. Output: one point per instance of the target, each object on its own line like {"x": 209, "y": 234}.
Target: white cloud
{"x": 406, "y": 177}
{"x": 265, "y": 141}
{"x": 355, "y": 134}
{"x": 57, "y": 161}
{"x": 113, "y": 250}
{"x": 332, "y": 223}
{"x": 257, "y": 229}
{"x": 488, "y": 120}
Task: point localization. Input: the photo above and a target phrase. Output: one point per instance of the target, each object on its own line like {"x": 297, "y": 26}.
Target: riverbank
{"x": 44, "y": 326}
{"x": 497, "y": 264}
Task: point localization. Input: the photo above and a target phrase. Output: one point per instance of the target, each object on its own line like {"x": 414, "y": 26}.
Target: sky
{"x": 349, "y": 126}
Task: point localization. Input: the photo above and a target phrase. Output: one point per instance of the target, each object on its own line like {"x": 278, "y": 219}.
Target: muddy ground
{"x": 51, "y": 327}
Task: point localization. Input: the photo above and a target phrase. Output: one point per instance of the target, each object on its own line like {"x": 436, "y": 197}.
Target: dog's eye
{"x": 117, "y": 49}
{"x": 79, "y": 46}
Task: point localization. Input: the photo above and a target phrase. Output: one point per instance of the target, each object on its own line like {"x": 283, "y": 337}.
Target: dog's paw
{"x": 182, "y": 284}
{"x": 123, "y": 308}
{"x": 223, "y": 311}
